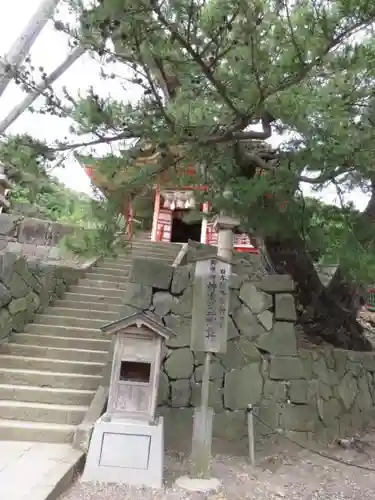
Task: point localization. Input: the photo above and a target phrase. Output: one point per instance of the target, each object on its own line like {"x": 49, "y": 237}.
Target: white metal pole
{"x": 18, "y": 110}
{"x": 22, "y": 45}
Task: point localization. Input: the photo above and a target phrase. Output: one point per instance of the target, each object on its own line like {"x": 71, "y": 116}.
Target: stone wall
{"x": 315, "y": 394}
{"x": 33, "y": 238}
{"x": 26, "y": 288}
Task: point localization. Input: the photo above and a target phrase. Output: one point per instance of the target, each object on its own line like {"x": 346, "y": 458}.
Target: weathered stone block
{"x": 276, "y": 283}
{"x": 235, "y": 281}
{"x": 162, "y": 303}
{"x": 285, "y": 308}
{"x": 248, "y": 349}
{"x": 329, "y": 411}
{"x": 321, "y": 371}
{"x": 233, "y": 333}
{"x": 287, "y": 368}
{"x": 138, "y": 296}
{"x": 275, "y": 390}
{"x": 265, "y": 318}
{"x": 151, "y": 273}
{"x": 301, "y": 418}
{"x": 247, "y": 323}
{"x": 164, "y": 393}
{"x": 179, "y": 364}
{"x": 5, "y": 323}
{"x": 356, "y": 368}
{"x": 19, "y": 321}
{"x": 234, "y": 301}
{"x": 215, "y": 396}
{"x": 17, "y": 286}
{"x": 368, "y": 359}
{"x": 269, "y": 414}
{"x": 298, "y": 391}
{"x": 57, "y": 231}
{"x": 177, "y": 428}
{"x": 243, "y": 387}
{"x": 20, "y": 266}
{"x": 7, "y": 262}
{"x": 323, "y": 390}
{"x": 348, "y": 390}
{"x": 254, "y": 299}
{"x": 340, "y": 357}
{"x": 17, "y": 305}
{"x": 364, "y": 399}
{"x": 5, "y": 295}
{"x": 183, "y": 305}
{"x": 182, "y": 278}
{"x": 233, "y": 357}
{"x": 9, "y": 224}
{"x": 281, "y": 340}
{"x": 230, "y": 425}
{"x": 180, "y": 393}
{"x": 181, "y": 326}
{"x": 33, "y": 231}
{"x": 216, "y": 372}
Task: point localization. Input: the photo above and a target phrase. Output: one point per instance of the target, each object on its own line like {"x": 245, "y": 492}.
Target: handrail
{"x": 181, "y": 255}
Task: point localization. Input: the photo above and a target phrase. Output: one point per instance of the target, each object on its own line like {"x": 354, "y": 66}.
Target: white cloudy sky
{"x": 49, "y": 51}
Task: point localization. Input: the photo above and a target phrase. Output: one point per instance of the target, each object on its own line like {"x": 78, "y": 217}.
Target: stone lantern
{"x": 127, "y": 444}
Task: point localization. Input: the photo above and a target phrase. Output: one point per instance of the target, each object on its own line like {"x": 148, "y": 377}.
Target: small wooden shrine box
{"x": 136, "y": 364}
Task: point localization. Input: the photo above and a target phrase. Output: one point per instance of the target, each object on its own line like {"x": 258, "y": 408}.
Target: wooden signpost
{"x": 209, "y": 335}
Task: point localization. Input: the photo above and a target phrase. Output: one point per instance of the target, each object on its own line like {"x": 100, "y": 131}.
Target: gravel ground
{"x": 282, "y": 471}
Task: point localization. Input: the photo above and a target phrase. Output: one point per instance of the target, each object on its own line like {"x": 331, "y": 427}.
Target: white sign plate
{"x": 209, "y": 326}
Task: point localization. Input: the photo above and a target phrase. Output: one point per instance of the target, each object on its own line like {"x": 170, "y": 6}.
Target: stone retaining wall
{"x": 315, "y": 394}
{"x": 33, "y": 238}
{"x": 26, "y": 288}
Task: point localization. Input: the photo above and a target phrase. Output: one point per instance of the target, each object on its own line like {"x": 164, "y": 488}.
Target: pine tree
{"x": 211, "y": 70}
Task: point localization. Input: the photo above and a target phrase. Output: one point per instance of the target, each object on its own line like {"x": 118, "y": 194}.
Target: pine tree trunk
{"x": 327, "y": 313}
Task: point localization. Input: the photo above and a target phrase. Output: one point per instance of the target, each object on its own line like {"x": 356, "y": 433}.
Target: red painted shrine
{"x": 171, "y": 204}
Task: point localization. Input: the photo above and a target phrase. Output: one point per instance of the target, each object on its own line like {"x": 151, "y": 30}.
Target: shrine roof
{"x": 147, "y": 318}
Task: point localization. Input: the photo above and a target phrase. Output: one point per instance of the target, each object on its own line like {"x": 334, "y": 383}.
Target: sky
{"x": 49, "y": 50}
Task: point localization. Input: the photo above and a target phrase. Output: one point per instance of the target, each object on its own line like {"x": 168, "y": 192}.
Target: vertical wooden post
{"x": 156, "y": 214}
{"x": 250, "y": 432}
{"x": 200, "y": 459}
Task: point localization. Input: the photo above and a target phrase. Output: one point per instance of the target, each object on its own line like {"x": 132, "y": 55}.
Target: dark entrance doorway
{"x": 182, "y": 230}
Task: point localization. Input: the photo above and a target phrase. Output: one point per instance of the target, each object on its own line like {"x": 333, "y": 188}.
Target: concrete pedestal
{"x": 125, "y": 451}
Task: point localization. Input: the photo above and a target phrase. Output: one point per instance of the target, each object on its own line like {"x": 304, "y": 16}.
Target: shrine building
{"x": 173, "y": 200}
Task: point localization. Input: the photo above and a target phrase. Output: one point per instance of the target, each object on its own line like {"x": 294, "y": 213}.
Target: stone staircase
{"x": 50, "y": 372}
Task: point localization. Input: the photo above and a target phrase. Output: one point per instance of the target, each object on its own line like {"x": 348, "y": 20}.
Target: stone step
{"x": 84, "y": 313}
{"x": 99, "y": 285}
{"x": 102, "y": 275}
{"x": 90, "y": 298}
{"x": 47, "y": 395}
{"x": 37, "y": 351}
{"x": 90, "y": 306}
{"x": 155, "y": 244}
{"x": 103, "y": 292}
{"x": 42, "y": 412}
{"x": 62, "y": 342}
{"x": 145, "y": 255}
{"x": 16, "y": 430}
{"x": 115, "y": 267}
{"x": 120, "y": 261}
{"x": 63, "y": 331}
{"x": 15, "y": 362}
{"x": 108, "y": 269}
{"x": 56, "y": 320}
{"x": 48, "y": 379}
